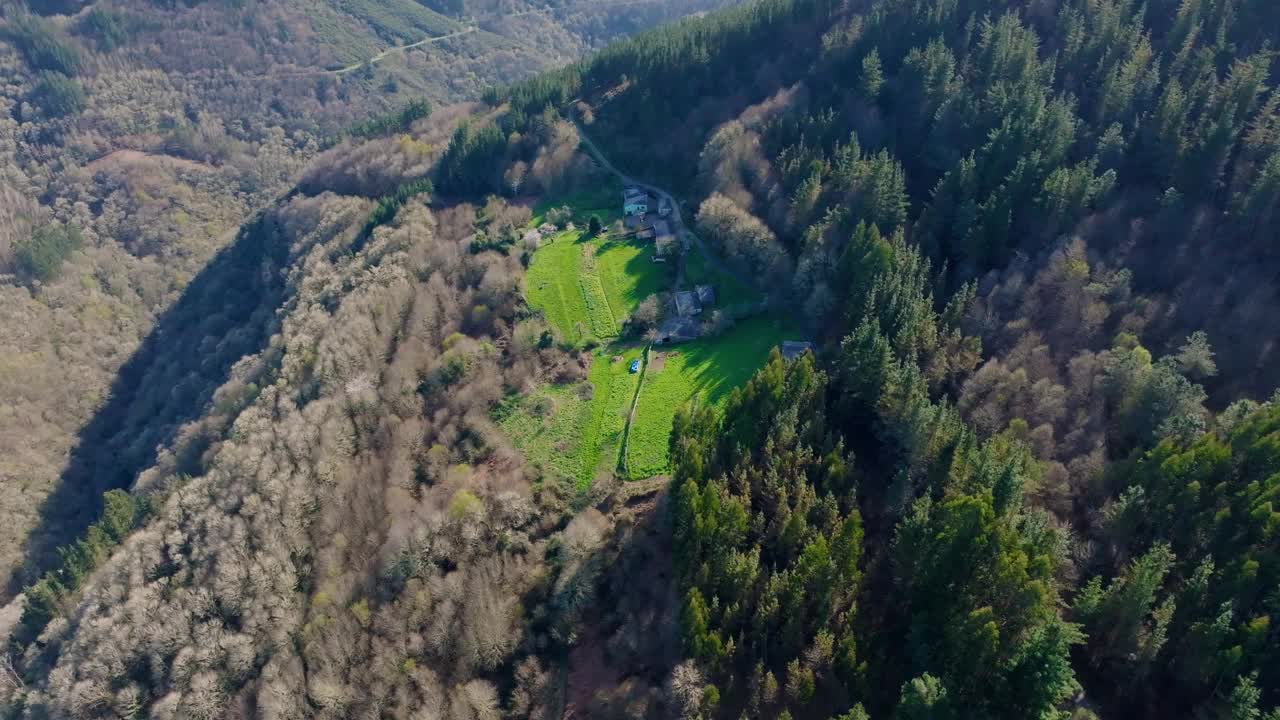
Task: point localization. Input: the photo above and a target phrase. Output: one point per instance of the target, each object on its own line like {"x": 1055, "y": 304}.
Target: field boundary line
{"x": 631, "y": 415}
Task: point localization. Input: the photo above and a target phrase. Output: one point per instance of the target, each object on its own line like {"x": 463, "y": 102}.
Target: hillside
{"x": 1036, "y": 241}
{"x": 337, "y": 525}
{"x": 138, "y": 135}
{"x": 436, "y": 434}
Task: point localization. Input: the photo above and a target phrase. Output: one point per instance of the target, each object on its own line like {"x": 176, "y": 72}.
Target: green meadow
{"x": 586, "y": 288}
{"x": 707, "y": 369}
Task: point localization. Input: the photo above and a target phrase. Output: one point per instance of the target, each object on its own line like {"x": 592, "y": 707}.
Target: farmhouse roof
{"x": 687, "y": 303}
{"x": 792, "y": 349}
{"x": 676, "y": 329}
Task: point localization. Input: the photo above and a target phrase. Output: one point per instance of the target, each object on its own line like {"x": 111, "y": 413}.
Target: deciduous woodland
{"x": 136, "y": 136}
{"x": 1030, "y": 469}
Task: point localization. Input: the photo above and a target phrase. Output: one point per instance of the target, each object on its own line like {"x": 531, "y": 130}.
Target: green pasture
{"x": 708, "y": 369}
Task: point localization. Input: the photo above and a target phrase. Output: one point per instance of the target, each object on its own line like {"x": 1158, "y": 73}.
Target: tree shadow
{"x": 226, "y": 312}
{"x": 727, "y": 361}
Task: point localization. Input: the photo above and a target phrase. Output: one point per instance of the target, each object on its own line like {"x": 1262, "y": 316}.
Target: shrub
{"x": 394, "y": 122}
{"x": 107, "y": 28}
{"x": 121, "y": 513}
{"x": 41, "y": 46}
{"x": 40, "y": 257}
{"x": 464, "y": 504}
{"x": 58, "y": 95}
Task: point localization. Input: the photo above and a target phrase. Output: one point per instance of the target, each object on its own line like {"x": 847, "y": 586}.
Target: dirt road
{"x": 676, "y": 219}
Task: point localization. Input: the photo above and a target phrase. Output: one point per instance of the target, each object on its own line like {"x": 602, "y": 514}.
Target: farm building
{"x": 662, "y": 232}
{"x": 677, "y": 329}
{"x": 635, "y": 202}
{"x": 687, "y": 303}
{"x": 706, "y": 295}
{"x": 792, "y": 349}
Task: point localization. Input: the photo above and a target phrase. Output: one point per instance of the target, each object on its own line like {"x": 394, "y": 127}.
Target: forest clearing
{"x": 619, "y": 419}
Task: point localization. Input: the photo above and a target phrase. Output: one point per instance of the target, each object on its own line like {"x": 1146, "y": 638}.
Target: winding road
{"x": 378, "y": 58}
{"x": 675, "y": 218}
{"x": 472, "y": 26}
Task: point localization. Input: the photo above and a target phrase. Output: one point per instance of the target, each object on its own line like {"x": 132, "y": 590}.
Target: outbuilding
{"x": 792, "y": 349}
{"x": 635, "y": 202}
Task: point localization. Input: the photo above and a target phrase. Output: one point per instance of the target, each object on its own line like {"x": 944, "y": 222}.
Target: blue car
{"x": 635, "y": 366}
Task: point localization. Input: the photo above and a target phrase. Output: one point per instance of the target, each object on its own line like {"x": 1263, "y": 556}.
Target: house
{"x": 635, "y": 202}
{"x": 677, "y": 329}
{"x": 706, "y": 295}
{"x": 792, "y": 349}
{"x": 687, "y": 303}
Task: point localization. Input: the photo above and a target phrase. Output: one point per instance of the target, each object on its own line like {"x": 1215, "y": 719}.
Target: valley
{"x": 146, "y": 133}
{"x": 801, "y": 360}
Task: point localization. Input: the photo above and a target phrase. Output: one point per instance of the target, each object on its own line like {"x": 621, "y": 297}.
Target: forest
{"x": 138, "y": 136}
{"x": 1030, "y": 468}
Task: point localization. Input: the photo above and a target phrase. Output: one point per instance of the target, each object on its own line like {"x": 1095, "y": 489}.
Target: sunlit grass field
{"x": 708, "y": 369}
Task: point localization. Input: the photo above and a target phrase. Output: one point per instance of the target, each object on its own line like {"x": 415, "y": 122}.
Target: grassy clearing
{"x": 708, "y": 368}
{"x": 629, "y": 274}
{"x": 588, "y": 288}
{"x": 604, "y": 200}
{"x": 603, "y": 323}
{"x": 574, "y": 432}
{"x": 551, "y": 285}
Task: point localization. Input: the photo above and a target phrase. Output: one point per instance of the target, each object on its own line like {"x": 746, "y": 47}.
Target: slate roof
{"x": 687, "y": 303}
{"x": 792, "y": 349}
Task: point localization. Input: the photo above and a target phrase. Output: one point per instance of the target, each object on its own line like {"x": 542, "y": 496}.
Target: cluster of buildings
{"x": 691, "y": 302}
{"x": 638, "y": 213}
{"x": 638, "y": 203}
{"x": 639, "y": 210}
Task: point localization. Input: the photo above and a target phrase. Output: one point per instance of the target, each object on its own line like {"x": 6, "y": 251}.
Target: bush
{"x": 471, "y": 165}
{"x": 107, "y": 28}
{"x": 40, "y": 257}
{"x": 399, "y": 121}
{"x": 58, "y": 96}
{"x": 41, "y": 46}
{"x": 121, "y": 513}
